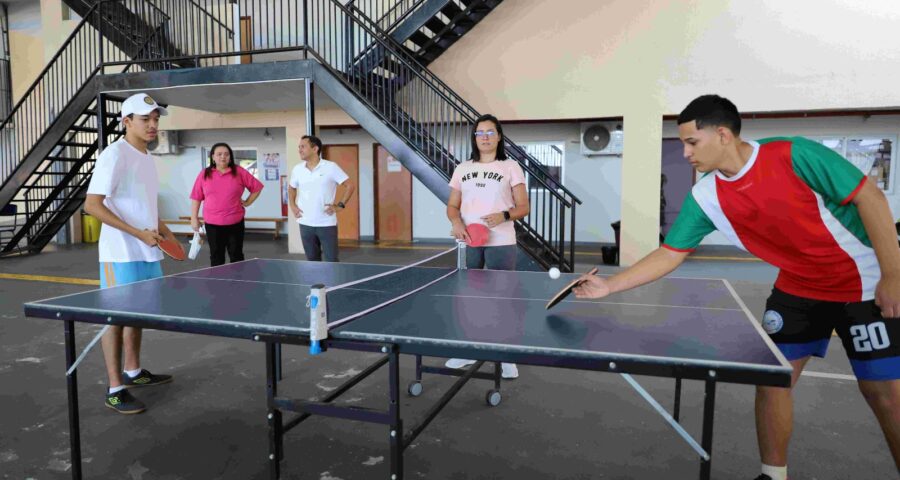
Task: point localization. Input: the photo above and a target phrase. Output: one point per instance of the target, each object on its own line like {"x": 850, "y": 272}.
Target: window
{"x": 548, "y": 154}
{"x": 872, "y": 154}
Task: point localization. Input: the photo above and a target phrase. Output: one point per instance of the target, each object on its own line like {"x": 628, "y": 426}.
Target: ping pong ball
{"x": 554, "y": 273}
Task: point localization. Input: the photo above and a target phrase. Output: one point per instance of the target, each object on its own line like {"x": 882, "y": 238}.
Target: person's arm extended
{"x": 879, "y": 224}
{"x": 654, "y": 266}
{"x": 94, "y": 206}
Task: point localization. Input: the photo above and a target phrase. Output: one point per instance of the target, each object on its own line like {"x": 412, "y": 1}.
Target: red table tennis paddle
{"x": 478, "y": 234}
{"x": 172, "y": 248}
{"x": 567, "y": 290}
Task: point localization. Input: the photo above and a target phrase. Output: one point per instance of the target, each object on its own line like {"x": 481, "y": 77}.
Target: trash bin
{"x": 90, "y": 228}
{"x": 611, "y": 254}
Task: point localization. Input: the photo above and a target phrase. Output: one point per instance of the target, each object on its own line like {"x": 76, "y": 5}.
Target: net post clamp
{"x": 318, "y": 318}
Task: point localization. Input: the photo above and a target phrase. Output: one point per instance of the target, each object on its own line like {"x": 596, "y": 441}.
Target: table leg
{"x": 709, "y": 407}
{"x": 396, "y": 427}
{"x": 72, "y": 387}
{"x": 677, "y": 410}
{"x": 274, "y": 415}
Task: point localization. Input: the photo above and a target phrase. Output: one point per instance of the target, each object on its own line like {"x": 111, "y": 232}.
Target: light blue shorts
{"x": 121, "y": 273}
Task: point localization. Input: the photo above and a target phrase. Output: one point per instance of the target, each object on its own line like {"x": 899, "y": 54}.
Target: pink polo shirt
{"x": 222, "y": 193}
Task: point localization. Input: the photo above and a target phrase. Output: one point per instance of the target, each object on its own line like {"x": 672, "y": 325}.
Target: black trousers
{"x": 225, "y": 237}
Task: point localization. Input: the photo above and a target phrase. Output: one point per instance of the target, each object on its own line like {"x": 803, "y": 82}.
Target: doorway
{"x": 393, "y": 198}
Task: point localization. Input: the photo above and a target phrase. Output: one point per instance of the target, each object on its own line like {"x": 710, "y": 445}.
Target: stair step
{"x": 65, "y": 159}
{"x": 75, "y": 144}
{"x": 451, "y": 10}
{"x": 419, "y": 38}
{"x": 435, "y": 25}
{"x": 93, "y": 112}
{"x": 80, "y": 129}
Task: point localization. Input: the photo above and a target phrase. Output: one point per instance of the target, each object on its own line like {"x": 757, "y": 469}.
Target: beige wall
{"x": 23, "y": 49}
{"x": 294, "y": 123}
{"x": 534, "y": 59}
{"x": 642, "y": 59}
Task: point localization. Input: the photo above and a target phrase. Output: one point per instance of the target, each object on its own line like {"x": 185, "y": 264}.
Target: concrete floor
{"x": 210, "y": 422}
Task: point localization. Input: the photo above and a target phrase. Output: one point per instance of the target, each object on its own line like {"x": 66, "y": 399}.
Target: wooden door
{"x": 346, "y": 157}
{"x": 393, "y": 198}
{"x": 246, "y": 38}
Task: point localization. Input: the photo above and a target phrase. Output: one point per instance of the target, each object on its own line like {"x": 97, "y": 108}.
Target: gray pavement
{"x": 562, "y": 424}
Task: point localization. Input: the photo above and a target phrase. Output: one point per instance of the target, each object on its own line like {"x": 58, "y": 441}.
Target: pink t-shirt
{"x": 488, "y": 188}
{"x": 221, "y": 194}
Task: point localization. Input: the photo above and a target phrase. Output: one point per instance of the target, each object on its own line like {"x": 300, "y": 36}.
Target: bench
{"x": 278, "y": 221}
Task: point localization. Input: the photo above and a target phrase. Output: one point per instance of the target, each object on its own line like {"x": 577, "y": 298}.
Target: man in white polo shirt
{"x": 123, "y": 195}
{"x": 316, "y": 180}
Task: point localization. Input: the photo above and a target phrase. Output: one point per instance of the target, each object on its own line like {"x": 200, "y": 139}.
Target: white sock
{"x": 133, "y": 373}
{"x": 113, "y": 390}
{"x": 777, "y": 473}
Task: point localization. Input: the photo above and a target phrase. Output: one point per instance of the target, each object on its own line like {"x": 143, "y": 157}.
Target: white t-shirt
{"x": 488, "y": 188}
{"x": 315, "y": 189}
{"x": 130, "y": 183}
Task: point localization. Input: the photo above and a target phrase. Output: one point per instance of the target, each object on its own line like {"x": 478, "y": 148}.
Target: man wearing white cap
{"x": 123, "y": 195}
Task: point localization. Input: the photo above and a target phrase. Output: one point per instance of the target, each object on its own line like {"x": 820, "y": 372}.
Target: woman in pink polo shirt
{"x": 221, "y": 185}
{"x": 488, "y": 189}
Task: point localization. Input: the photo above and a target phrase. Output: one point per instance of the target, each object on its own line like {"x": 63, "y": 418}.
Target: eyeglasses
{"x": 487, "y": 133}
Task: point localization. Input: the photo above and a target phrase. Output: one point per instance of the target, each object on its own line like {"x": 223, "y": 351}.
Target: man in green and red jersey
{"x": 808, "y": 211}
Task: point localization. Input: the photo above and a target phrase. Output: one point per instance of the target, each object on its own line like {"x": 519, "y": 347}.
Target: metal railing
{"x": 79, "y": 58}
{"x": 411, "y": 100}
{"x": 386, "y": 15}
{"x": 432, "y": 117}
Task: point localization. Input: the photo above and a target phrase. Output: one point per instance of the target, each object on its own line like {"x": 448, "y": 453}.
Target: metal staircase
{"x": 49, "y": 142}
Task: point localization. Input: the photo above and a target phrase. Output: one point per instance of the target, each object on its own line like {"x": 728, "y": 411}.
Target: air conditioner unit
{"x": 601, "y": 138}
{"x": 166, "y": 143}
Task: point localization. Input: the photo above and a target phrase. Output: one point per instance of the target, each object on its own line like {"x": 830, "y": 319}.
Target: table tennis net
{"x": 354, "y": 299}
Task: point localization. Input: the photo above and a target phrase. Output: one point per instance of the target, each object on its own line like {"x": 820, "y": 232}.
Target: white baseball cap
{"x": 141, "y": 104}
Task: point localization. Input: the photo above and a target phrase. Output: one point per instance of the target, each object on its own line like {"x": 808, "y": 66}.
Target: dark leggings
{"x": 493, "y": 258}
{"x": 222, "y": 238}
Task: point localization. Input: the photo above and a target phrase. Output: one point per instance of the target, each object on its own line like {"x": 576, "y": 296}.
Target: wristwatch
{"x": 506, "y": 215}
{"x": 340, "y": 204}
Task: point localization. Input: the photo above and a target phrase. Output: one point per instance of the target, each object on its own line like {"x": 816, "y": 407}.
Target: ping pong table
{"x": 683, "y": 328}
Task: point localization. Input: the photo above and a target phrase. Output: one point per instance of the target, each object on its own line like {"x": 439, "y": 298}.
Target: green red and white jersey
{"x": 790, "y": 205}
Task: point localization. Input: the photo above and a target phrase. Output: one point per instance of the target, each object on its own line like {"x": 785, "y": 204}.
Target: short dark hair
{"x": 212, "y": 163}
{"x": 314, "y": 141}
{"x": 712, "y": 111}
{"x": 501, "y": 149}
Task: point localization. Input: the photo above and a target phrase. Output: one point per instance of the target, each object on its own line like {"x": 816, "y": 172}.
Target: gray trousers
{"x": 319, "y": 241}
{"x": 492, "y": 258}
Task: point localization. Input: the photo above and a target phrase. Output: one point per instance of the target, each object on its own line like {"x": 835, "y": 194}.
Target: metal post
{"x": 274, "y": 415}
{"x": 461, "y": 255}
{"x": 709, "y": 406}
{"x": 306, "y": 35}
{"x": 310, "y": 108}
{"x": 100, "y": 23}
{"x": 396, "y": 433}
{"x": 677, "y": 410}
{"x": 72, "y": 387}
{"x": 101, "y": 122}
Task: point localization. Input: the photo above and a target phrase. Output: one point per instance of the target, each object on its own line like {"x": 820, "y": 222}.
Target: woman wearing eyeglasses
{"x": 488, "y": 189}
